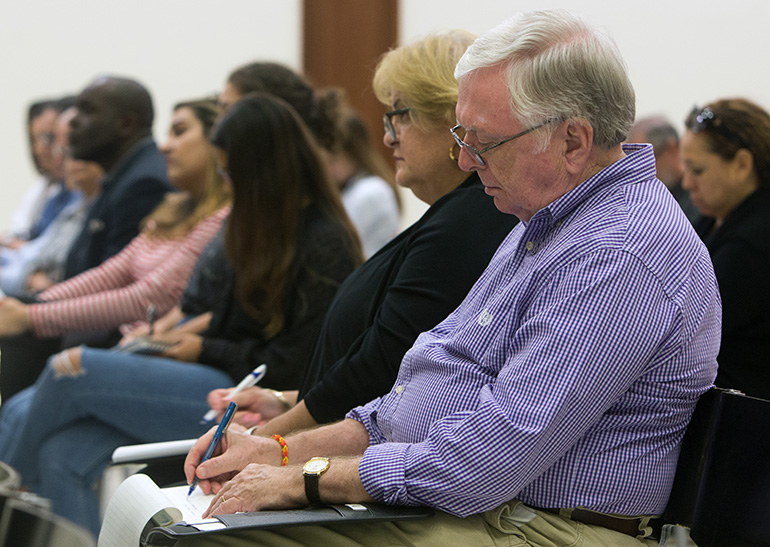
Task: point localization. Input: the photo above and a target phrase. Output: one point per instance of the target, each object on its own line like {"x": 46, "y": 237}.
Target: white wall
{"x": 679, "y": 52}
{"x": 179, "y": 49}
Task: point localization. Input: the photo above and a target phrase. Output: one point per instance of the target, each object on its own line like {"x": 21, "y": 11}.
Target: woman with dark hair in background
{"x": 726, "y": 152}
{"x": 290, "y": 244}
{"x": 152, "y": 270}
{"x": 417, "y": 279}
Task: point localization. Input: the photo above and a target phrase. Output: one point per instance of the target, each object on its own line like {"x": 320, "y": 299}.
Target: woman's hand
{"x": 255, "y": 405}
{"x": 187, "y": 346}
{"x": 14, "y": 317}
{"x": 38, "y": 282}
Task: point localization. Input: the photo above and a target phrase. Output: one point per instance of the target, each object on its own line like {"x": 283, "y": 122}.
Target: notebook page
{"x": 137, "y": 500}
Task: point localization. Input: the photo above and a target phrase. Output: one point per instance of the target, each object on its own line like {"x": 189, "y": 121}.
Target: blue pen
{"x": 251, "y": 379}
{"x": 215, "y": 441}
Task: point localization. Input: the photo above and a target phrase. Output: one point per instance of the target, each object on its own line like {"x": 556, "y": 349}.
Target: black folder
{"x": 331, "y": 514}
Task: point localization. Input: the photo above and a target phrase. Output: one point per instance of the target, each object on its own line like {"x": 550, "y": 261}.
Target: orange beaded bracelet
{"x": 284, "y": 449}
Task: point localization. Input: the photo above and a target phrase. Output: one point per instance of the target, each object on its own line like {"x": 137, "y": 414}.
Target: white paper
{"x": 137, "y": 500}
{"x": 143, "y": 452}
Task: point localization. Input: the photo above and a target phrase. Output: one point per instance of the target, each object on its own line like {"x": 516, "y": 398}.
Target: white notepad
{"x": 138, "y": 501}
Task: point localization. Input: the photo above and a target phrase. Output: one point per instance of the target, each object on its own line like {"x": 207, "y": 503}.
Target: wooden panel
{"x": 343, "y": 41}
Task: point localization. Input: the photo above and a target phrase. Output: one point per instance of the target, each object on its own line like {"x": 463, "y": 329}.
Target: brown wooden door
{"x": 343, "y": 41}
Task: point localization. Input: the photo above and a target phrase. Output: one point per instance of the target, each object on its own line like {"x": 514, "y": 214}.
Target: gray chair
{"x": 29, "y": 525}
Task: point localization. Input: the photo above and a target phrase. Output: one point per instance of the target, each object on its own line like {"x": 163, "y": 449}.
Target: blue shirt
{"x": 569, "y": 373}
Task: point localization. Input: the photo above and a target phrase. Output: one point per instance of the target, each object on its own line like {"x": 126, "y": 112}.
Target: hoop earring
{"x": 452, "y": 155}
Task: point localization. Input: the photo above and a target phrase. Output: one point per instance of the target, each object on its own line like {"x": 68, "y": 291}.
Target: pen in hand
{"x": 150, "y": 316}
{"x": 215, "y": 441}
{"x": 252, "y": 379}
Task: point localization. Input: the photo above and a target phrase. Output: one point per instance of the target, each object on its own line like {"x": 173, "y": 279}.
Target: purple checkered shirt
{"x": 568, "y": 375}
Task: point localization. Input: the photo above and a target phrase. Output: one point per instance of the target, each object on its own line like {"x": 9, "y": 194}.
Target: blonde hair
{"x": 422, "y": 73}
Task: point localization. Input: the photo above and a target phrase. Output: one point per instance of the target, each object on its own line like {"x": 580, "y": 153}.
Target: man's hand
{"x": 259, "y": 487}
{"x": 14, "y": 317}
{"x": 255, "y": 405}
{"x": 234, "y": 453}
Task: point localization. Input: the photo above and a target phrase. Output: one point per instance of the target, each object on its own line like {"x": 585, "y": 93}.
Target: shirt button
{"x": 530, "y": 245}
{"x": 399, "y": 389}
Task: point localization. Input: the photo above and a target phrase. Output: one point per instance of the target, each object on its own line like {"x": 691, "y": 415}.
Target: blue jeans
{"x": 61, "y": 432}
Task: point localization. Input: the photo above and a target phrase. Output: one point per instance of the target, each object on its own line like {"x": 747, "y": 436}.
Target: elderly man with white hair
{"x": 549, "y": 408}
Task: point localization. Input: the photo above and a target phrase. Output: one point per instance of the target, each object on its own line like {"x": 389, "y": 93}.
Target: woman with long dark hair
{"x": 290, "y": 245}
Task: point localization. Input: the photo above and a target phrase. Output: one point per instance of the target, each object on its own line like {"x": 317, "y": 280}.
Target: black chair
{"x": 722, "y": 486}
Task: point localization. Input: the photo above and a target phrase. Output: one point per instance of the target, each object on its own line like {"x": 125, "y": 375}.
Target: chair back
{"x": 722, "y": 486}
{"x": 29, "y": 525}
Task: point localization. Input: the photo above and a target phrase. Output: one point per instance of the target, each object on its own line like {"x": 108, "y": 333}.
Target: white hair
{"x": 558, "y": 68}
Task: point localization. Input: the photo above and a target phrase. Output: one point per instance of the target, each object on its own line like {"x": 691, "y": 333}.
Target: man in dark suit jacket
{"x": 113, "y": 128}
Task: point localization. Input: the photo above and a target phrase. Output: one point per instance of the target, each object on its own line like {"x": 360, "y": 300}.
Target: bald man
{"x": 669, "y": 168}
{"x": 113, "y": 127}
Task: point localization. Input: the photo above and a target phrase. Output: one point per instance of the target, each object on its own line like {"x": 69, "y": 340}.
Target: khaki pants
{"x": 512, "y": 524}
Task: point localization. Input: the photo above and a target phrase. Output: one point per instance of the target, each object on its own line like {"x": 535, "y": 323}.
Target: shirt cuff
{"x": 382, "y": 471}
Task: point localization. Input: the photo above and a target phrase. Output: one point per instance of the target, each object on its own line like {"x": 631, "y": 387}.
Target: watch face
{"x": 316, "y": 465}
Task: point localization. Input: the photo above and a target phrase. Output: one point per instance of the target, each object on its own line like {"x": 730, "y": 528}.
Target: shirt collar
{"x": 126, "y": 159}
{"x": 637, "y": 165}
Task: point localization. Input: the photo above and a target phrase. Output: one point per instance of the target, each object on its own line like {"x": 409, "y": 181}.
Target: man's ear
{"x": 127, "y": 124}
{"x": 578, "y": 138}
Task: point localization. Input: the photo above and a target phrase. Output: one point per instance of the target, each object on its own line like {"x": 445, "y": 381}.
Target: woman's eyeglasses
{"x": 387, "y": 120}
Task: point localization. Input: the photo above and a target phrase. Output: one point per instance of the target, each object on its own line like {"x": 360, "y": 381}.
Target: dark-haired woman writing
{"x": 290, "y": 244}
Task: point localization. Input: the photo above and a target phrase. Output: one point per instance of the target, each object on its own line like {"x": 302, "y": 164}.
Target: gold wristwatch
{"x": 313, "y": 469}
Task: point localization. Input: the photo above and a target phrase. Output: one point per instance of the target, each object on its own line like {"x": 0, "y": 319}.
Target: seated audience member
{"x": 113, "y": 127}
{"x": 664, "y": 139}
{"x": 726, "y": 152}
{"x": 41, "y": 120}
{"x": 58, "y": 196}
{"x": 152, "y": 270}
{"x": 417, "y": 279}
{"x": 39, "y": 264}
{"x": 549, "y": 407}
{"x": 290, "y": 244}
{"x": 366, "y": 182}
{"x": 210, "y": 292}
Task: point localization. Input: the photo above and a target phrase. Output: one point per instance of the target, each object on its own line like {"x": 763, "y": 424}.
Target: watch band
{"x": 311, "y": 490}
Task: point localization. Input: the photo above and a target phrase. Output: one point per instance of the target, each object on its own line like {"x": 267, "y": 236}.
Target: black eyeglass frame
{"x": 476, "y": 154}
{"x": 387, "y": 120}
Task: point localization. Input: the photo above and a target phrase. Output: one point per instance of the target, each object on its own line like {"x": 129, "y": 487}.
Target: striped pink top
{"x": 148, "y": 271}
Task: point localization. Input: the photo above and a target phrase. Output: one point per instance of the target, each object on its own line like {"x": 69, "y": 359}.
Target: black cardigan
{"x": 740, "y": 251}
{"x": 407, "y": 287}
{"x": 234, "y": 341}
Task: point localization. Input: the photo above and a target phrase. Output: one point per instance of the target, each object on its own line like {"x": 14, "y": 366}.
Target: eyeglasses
{"x": 703, "y": 119}
{"x": 387, "y": 120}
{"x": 476, "y": 154}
